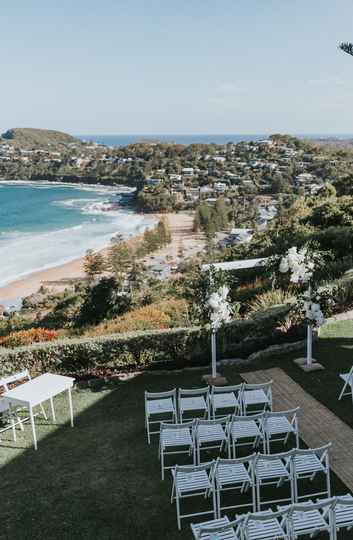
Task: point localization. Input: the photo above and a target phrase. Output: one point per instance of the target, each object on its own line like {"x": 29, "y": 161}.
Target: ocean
{"x": 44, "y": 224}
{"x": 123, "y": 140}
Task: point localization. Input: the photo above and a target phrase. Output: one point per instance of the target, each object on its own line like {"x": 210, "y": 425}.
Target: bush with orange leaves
{"x": 26, "y": 337}
{"x": 157, "y": 316}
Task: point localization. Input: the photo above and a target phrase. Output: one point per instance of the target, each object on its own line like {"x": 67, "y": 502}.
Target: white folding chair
{"x": 175, "y": 439}
{"x": 11, "y": 413}
{"x": 308, "y": 464}
{"x": 225, "y": 398}
{"x": 7, "y": 419}
{"x": 264, "y": 525}
{"x": 304, "y": 519}
{"x": 194, "y": 401}
{"x": 273, "y": 470}
{"x": 256, "y": 398}
{"x": 245, "y": 431}
{"x": 218, "y": 529}
{"x": 279, "y": 426}
{"x": 210, "y": 434}
{"x": 347, "y": 379}
{"x": 342, "y": 514}
{"x": 160, "y": 405}
{"x": 237, "y": 476}
{"x": 193, "y": 481}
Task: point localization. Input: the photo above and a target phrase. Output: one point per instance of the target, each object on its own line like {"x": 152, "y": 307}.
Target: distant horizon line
{"x": 213, "y": 133}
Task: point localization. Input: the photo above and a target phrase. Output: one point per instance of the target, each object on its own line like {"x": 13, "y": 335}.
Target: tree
{"x": 346, "y": 47}
{"x": 94, "y": 264}
{"x": 103, "y": 300}
{"x": 120, "y": 258}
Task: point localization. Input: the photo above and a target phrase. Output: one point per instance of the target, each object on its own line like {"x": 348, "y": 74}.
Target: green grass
{"x": 100, "y": 480}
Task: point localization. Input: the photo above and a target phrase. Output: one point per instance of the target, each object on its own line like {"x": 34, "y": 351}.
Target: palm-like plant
{"x": 346, "y": 47}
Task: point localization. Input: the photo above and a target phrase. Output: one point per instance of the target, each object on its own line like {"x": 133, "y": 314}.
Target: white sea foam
{"x": 22, "y": 254}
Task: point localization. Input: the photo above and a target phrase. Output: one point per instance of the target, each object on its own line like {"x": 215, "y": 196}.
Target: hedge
{"x": 145, "y": 349}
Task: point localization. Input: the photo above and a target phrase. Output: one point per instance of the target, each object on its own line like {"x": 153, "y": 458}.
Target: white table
{"x": 34, "y": 392}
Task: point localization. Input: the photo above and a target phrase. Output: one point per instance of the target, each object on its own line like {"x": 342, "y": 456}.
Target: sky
{"x": 186, "y": 66}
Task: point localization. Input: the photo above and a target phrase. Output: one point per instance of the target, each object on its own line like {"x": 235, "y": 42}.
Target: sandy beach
{"x": 183, "y": 239}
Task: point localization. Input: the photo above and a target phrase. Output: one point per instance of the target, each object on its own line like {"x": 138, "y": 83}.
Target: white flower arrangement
{"x": 220, "y": 308}
{"x": 299, "y": 264}
{"x": 313, "y": 313}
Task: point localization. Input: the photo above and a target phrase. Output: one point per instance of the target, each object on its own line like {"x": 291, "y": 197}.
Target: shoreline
{"x": 56, "y": 277}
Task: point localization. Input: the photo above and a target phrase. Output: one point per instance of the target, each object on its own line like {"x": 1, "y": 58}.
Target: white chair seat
{"x": 210, "y": 433}
{"x": 196, "y": 403}
{"x": 226, "y": 535}
{"x": 305, "y": 464}
{"x": 309, "y": 521}
{"x": 172, "y": 437}
{"x": 267, "y": 529}
{"x": 223, "y": 401}
{"x": 254, "y": 397}
{"x": 277, "y": 425}
{"x": 243, "y": 430}
{"x": 274, "y": 468}
{"x": 160, "y": 406}
{"x": 192, "y": 481}
{"x": 343, "y": 513}
{"x": 235, "y": 473}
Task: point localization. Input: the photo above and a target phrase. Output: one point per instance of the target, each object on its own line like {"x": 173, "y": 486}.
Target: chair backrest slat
{"x": 15, "y": 377}
{"x": 185, "y": 392}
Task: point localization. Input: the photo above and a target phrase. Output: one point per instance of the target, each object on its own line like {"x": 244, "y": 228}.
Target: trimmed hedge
{"x": 149, "y": 349}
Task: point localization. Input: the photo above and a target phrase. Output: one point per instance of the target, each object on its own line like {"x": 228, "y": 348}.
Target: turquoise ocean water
{"x": 44, "y": 224}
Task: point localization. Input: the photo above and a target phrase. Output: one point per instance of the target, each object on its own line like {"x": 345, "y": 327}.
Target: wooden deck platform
{"x": 317, "y": 424}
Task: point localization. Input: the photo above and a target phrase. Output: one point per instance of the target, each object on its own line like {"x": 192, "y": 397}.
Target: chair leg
{"x": 20, "y": 423}
{"x": 148, "y": 431}
{"x": 215, "y": 510}
{"x": 178, "y": 511}
{"x": 162, "y": 462}
{"x": 218, "y": 494}
{"x": 13, "y": 429}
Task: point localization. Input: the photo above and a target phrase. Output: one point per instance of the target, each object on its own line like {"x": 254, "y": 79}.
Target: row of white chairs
{"x": 252, "y": 473}
{"x": 291, "y": 522}
{"x": 227, "y": 433}
{"x": 11, "y": 416}
{"x": 177, "y": 406}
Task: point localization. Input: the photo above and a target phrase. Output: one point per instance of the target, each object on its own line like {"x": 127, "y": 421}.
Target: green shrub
{"x": 138, "y": 350}
{"x": 268, "y": 299}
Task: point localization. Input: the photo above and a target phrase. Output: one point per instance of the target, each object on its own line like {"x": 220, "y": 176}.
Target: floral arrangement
{"x": 220, "y": 309}
{"x": 299, "y": 264}
{"x": 313, "y": 313}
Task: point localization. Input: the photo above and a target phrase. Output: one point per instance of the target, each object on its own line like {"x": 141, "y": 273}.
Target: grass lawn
{"x": 100, "y": 480}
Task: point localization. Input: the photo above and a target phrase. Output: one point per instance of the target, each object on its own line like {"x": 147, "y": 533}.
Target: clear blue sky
{"x": 191, "y": 66}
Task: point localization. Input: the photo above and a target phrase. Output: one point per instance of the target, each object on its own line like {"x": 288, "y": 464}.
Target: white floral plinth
{"x": 300, "y": 264}
{"x": 220, "y": 313}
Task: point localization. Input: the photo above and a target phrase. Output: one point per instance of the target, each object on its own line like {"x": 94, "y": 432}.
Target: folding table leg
{"x": 43, "y": 411}
{"x": 71, "y": 409}
{"x": 33, "y": 428}
{"x": 52, "y": 409}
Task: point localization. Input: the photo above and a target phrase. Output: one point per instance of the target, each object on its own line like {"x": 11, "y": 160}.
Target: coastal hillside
{"x": 26, "y": 137}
